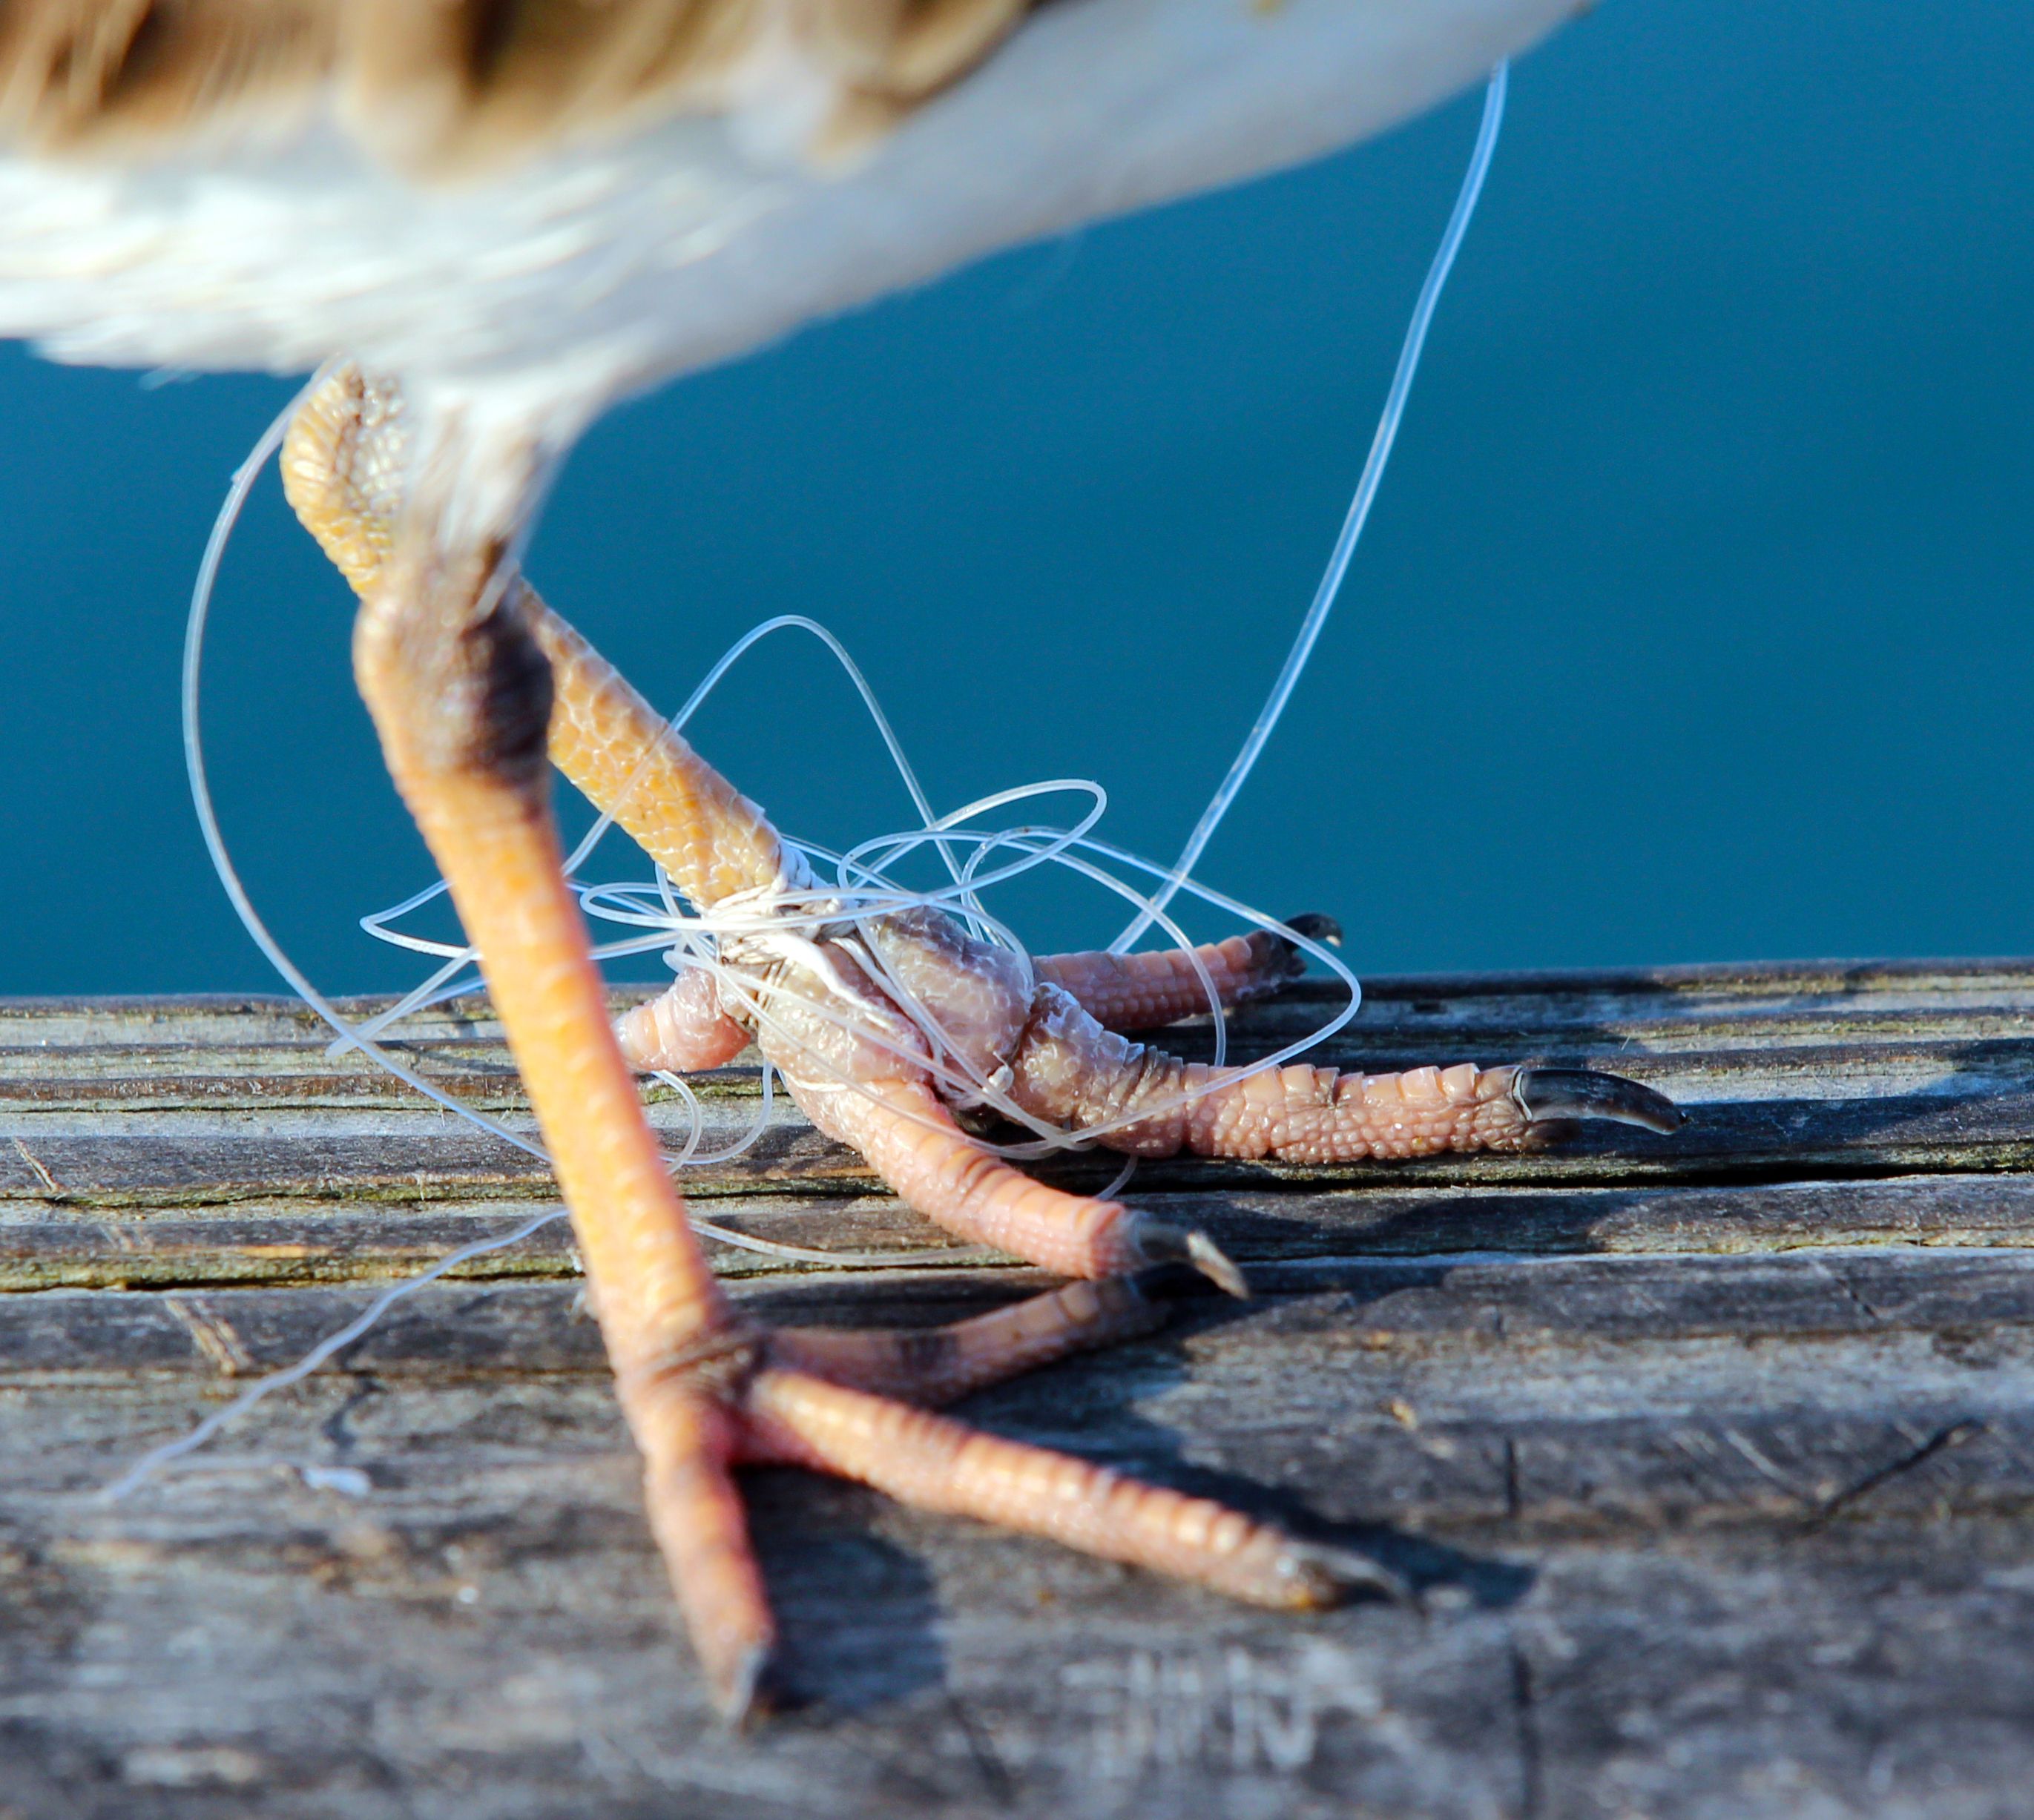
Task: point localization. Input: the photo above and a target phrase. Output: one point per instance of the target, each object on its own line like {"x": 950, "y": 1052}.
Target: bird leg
{"x": 467, "y": 676}
{"x": 461, "y": 694}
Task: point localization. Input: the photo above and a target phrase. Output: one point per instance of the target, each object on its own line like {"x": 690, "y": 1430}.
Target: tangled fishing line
{"x": 822, "y": 893}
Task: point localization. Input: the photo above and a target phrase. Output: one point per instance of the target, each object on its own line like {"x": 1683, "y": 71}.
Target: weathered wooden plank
{"x": 102, "y": 1110}
{"x": 54, "y": 1047}
{"x": 1449, "y": 1392}
{"x": 1646, "y": 1299}
{"x": 1543, "y": 1001}
{"x": 1713, "y": 1456}
{"x": 483, "y": 1625}
{"x": 281, "y": 1241}
{"x": 64, "y": 1057}
{"x": 367, "y": 1687}
{"x": 1980, "y": 1126}
{"x": 1982, "y": 1129}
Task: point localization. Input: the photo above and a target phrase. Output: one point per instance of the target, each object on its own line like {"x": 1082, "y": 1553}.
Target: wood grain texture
{"x": 1713, "y": 1456}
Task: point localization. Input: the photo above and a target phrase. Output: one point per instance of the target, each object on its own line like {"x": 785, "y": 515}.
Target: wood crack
{"x": 1953, "y": 1435}
{"x": 39, "y": 1169}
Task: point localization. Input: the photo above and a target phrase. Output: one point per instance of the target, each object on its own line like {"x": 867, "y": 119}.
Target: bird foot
{"x": 859, "y": 1404}
{"x": 885, "y": 1027}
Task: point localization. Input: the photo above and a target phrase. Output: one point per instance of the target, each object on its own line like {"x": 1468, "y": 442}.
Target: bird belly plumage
{"x": 540, "y": 290}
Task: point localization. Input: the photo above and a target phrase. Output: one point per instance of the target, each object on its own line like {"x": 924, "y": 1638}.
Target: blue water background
{"x": 1694, "y": 621}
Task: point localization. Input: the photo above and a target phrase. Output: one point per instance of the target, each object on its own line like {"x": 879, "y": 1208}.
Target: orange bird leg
{"x": 1069, "y": 1070}
{"x": 936, "y": 1365}
{"x": 459, "y": 693}
{"x": 345, "y": 467}
{"x": 460, "y": 690}
{"x": 1146, "y": 991}
{"x": 621, "y": 753}
{"x": 935, "y": 1463}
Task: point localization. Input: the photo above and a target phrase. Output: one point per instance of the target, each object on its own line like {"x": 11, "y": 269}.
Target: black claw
{"x": 1334, "y": 1576}
{"x": 1292, "y": 962}
{"x": 1316, "y": 928}
{"x": 1544, "y": 1094}
{"x": 1160, "y": 1242}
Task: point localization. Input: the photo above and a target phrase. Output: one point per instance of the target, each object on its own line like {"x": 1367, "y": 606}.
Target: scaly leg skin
{"x": 1146, "y": 991}
{"x": 466, "y": 678}
{"x": 1062, "y": 1066}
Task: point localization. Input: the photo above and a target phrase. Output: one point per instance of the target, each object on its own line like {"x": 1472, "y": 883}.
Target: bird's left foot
{"x": 884, "y": 1031}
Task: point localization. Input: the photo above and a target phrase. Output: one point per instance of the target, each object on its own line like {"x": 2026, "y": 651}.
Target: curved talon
{"x": 1160, "y": 1242}
{"x": 1316, "y": 928}
{"x": 1546, "y": 1093}
{"x": 1292, "y": 961}
{"x": 1333, "y": 1576}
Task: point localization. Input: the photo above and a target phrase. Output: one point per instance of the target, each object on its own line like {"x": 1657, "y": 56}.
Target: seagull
{"x": 482, "y": 223}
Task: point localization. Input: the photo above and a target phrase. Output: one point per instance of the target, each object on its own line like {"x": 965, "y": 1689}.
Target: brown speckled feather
{"x": 453, "y": 85}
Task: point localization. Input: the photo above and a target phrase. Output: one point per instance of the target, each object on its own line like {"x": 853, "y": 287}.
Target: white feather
{"x": 537, "y": 297}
